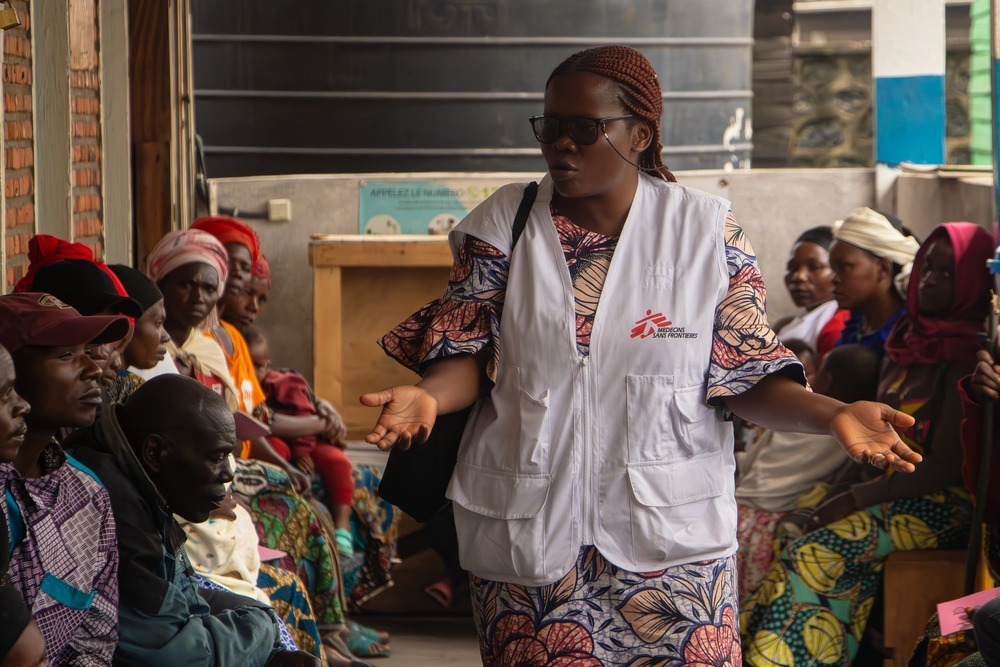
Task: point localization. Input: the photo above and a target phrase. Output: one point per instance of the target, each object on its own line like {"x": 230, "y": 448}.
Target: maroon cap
{"x": 33, "y": 318}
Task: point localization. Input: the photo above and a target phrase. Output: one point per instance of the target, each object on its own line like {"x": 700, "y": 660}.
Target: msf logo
{"x": 650, "y": 324}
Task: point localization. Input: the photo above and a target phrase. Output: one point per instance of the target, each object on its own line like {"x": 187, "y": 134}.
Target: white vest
{"x": 618, "y": 449}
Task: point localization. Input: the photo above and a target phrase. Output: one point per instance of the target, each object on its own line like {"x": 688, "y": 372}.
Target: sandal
{"x": 370, "y": 634}
{"x": 363, "y": 647}
{"x": 441, "y": 592}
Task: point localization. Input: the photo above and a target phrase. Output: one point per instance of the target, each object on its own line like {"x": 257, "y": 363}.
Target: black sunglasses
{"x": 583, "y": 131}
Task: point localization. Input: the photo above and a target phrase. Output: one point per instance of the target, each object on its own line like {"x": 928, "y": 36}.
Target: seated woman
{"x": 809, "y": 280}
{"x": 871, "y": 262}
{"x": 782, "y": 472}
{"x": 829, "y": 578}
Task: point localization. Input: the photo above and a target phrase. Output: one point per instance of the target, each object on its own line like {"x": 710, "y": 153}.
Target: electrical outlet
{"x": 279, "y": 210}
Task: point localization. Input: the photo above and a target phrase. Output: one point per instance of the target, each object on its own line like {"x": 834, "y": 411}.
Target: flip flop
{"x": 369, "y": 633}
{"x": 440, "y": 592}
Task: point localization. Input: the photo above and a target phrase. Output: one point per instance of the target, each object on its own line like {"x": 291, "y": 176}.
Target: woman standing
{"x": 593, "y": 491}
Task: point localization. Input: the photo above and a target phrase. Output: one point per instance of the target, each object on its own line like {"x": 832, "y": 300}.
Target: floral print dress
{"x": 600, "y": 614}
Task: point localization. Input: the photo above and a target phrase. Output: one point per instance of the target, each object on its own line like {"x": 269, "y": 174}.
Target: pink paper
{"x": 270, "y": 554}
{"x": 952, "y": 614}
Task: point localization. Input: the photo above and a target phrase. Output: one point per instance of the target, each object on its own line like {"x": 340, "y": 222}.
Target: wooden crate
{"x": 362, "y": 287}
{"x": 914, "y": 582}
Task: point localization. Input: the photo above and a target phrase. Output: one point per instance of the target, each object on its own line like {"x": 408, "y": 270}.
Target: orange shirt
{"x": 240, "y": 364}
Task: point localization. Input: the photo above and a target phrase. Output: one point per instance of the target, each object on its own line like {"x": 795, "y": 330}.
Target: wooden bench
{"x": 914, "y": 582}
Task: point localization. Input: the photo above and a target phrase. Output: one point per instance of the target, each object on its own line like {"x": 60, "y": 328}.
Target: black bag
{"x": 415, "y": 480}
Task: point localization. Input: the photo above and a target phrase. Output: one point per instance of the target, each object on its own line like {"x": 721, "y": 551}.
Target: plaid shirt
{"x": 64, "y": 559}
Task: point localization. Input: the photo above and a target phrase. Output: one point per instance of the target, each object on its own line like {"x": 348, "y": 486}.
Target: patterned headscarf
{"x": 190, "y": 246}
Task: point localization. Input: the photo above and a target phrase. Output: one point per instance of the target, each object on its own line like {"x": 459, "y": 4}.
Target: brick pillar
{"x": 19, "y": 144}
{"x": 85, "y": 98}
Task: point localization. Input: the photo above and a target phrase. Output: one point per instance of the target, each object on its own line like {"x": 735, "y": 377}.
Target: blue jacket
{"x": 164, "y": 619}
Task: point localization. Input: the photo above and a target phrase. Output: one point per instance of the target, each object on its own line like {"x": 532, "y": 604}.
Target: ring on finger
{"x": 877, "y": 460}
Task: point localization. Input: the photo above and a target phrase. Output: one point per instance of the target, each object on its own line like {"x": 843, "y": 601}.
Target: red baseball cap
{"x": 34, "y": 318}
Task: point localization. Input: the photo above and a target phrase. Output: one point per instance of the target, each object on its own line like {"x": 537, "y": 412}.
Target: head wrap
{"x": 821, "y": 236}
{"x": 230, "y": 230}
{"x": 262, "y": 270}
{"x": 872, "y": 231}
{"x": 45, "y": 250}
{"x": 138, "y": 286}
{"x": 920, "y": 339}
{"x": 190, "y": 246}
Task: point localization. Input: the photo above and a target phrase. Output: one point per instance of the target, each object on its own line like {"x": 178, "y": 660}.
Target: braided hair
{"x": 639, "y": 92}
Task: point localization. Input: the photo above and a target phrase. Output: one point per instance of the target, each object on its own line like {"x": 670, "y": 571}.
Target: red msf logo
{"x": 650, "y": 324}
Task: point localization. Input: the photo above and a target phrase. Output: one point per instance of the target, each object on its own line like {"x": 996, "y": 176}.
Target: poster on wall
{"x": 418, "y": 207}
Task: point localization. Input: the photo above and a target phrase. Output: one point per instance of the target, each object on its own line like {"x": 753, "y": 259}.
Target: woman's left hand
{"x": 865, "y": 430}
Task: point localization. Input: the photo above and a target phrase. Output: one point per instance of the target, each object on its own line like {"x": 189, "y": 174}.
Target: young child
{"x": 323, "y": 455}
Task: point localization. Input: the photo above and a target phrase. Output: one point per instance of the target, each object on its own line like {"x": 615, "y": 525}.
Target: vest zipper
{"x": 588, "y": 538}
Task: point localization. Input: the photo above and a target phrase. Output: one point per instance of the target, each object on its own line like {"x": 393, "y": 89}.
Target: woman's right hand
{"x": 408, "y": 415}
{"x": 985, "y": 382}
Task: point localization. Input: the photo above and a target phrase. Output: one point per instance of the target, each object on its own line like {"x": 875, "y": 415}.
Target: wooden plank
{"x": 151, "y": 114}
{"x": 353, "y": 308}
{"x": 914, "y": 583}
{"x": 328, "y": 334}
{"x": 385, "y": 251}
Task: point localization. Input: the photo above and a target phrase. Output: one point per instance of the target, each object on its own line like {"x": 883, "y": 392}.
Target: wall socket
{"x": 279, "y": 210}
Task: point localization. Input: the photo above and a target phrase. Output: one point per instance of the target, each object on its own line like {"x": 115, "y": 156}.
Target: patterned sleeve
{"x": 465, "y": 320}
{"x": 94, "y": 643}
{"x": 744, "y": 348}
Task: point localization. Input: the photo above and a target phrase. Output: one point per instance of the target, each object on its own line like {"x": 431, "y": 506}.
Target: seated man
{"x": 64, "y": 556}
{"x": 21, "y": 643}
{"x": 167, "y": 450}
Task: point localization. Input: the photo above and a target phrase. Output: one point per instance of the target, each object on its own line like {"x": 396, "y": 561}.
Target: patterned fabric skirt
{"x": 600, "y": 615}
{"x": 374, "y": 528}
{"x": 287, "y": 522}
{"x": 287, "y": 641}
{"x": 813, "y": 604}
{"x": 291, "y": 603}
{"x": 755, "y": 531}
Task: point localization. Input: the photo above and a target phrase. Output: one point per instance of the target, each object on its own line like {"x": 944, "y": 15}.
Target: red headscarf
{"x": 44, "y": 249}
{"x": 919, "y": 339}
{"x": 262, "y": 270}
{"x": 230, "y": 230}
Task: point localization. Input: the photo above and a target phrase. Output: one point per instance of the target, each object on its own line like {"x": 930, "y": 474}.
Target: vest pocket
{"x": 497, "y": 518}
{"x": 672, "y": 484}
{"x": 651, "y": 431}
{"x": 679, "y": 510}
{"x": 497, "y": 493}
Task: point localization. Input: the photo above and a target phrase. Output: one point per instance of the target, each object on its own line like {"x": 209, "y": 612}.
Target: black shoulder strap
{"x": 521, "y": 218}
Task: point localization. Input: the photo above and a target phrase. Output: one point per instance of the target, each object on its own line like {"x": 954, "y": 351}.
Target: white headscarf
{"x": 872, "y": 231}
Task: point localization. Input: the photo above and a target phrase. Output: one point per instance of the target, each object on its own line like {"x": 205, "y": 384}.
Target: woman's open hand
{"x": 408, "y": 415}
{"x": 865, "y": 430}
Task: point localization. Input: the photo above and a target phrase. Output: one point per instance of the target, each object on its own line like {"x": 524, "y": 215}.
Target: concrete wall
{"x": 772, "y": 205}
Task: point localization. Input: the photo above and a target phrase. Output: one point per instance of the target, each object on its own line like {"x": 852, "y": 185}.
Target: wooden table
{"x": 363, "y": 286}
